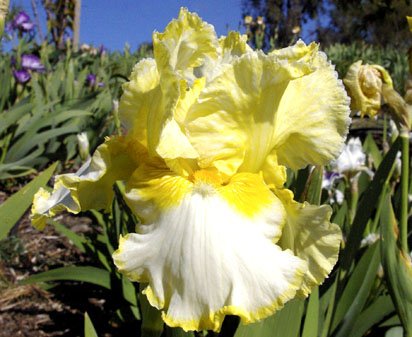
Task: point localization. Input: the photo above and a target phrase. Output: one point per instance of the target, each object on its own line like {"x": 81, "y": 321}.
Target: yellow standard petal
{"x": 313, "y": 116}
{"x": 309, "y": 233}
{"x": 234, "y": 44}
{"x": 184, "y": 45}
{"x": 290, "y": 105}
{"x": 160, "y": 90}
{"x": 140, "y": 96}
{"x": 207, "y": 248}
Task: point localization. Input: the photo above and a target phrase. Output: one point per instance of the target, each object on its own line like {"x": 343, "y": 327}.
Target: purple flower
{"x": 21, "y": 76}
{"x": 91, "y": 80}
{"x": 31, "y": 62}
{"x": 20, "y": 18}
{"x": 22, "y": 22}
{"x": 27, "y": 26}
{"x": 102, "y": 50}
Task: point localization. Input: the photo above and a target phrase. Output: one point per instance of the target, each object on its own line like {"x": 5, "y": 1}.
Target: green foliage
{"x": 39, "y": 120}
{"x": 274, "y": 326}
{"x": 367, "y": 205}
{"x": 397, "y": 266}
{"x": 14, "y": 207}
{"x": 89, "y": 330}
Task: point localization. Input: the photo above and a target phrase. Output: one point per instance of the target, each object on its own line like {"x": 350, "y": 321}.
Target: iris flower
{"x": 22, "y": 22}
{"x": 352, "y": 159}
{"x": 211, "y": 126}
{"x": 21, "y": 76}
{"x": 32, "y": 62}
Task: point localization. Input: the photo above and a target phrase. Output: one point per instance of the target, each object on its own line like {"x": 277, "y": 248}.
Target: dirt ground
{"x": 29, "y": 310}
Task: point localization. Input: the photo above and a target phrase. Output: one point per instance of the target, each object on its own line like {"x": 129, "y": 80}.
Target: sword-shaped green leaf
{"x": 14, "y": 207}
{"x": 397, "y": 267}
{"x": 89, "y": 330}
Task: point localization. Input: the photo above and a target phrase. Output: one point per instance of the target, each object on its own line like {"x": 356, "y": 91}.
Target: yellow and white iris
{"x": 211, "y": 126}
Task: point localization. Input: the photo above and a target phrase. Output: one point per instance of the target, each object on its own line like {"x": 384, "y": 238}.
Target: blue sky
{"x": 116, "y": 22}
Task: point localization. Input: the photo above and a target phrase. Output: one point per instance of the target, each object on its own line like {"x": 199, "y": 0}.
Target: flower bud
{"x": 248, "y": 20}
{"x": 83, "y": 144}
{"x": 364, "y": 85}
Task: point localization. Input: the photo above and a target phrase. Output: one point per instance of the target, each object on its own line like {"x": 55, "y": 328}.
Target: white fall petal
{"x": 203, "y": 260}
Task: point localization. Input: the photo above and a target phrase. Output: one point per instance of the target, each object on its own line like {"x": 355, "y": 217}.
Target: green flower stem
{"x": 404, "y": 134}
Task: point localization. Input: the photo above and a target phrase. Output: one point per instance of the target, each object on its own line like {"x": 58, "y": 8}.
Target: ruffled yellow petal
{"x": 140, "y": 98}
{"x": 236, "y": 111}
{"x": 273, "y": 173}
{"x": 234, "y": 44}
{"x": 44, "y": 207}
{"x": 312, "y": 237}
{"x": 142, "y": 108}
{"x": 91, "y": 186}
{"x": 197, "y": 269}
{"x": 364, "y": 84}
{"x": 155, "y": 107}
{"x": 261, "y": 105}
{"x": 313, "y": 115}
{"x": 184, "y": 44}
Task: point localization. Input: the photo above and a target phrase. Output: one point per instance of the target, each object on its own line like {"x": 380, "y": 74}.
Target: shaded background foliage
{"x": 377, "y": 22}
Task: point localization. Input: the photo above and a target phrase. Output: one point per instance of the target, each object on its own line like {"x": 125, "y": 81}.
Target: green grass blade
{"x": 89, "y": 330}
{"x": 395, "y": 331}
{"x": 177, "y": 332}
{"x": 129, "y": 291}
{"x": 367, "y": 205}
{"x": 12, "y": 116}
{"x": 313, "y": 191}
{"x": 14, "y": 207}
{"x": 381, "y": 308}
{"x": 370, "y": 147}
{"x": 310, "y": 327}
{"x": 76, "y": 239}
{"x": 152, "y": 323}
{"x": 357, "y": 291}
{"x": 30, "y": 141}
{"x": 284, "y": 323}
{"x": 87, "y": 274}
{"x": 397, "y": 267}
